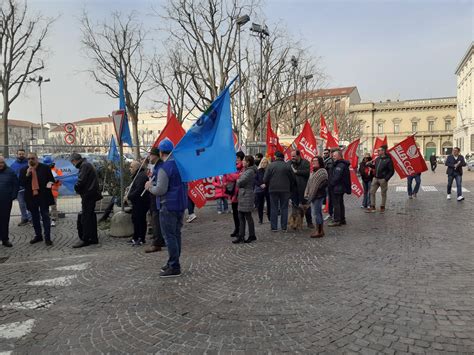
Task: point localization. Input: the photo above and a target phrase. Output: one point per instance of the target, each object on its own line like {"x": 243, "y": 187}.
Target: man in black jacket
{"x": 87, "y": 186}
{"x": 301, "y": 169}
{"x": 8, "y": 192}
{"x": 433, "y": 161}
{"x": 340, "y": 183}
{"x": 38, "y": 181}
{"x": 455, "y": 162}
{"x": 384, "y": 171}
{"x": 140, "y": 199}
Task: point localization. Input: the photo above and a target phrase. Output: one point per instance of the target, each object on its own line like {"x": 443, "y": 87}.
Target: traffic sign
{"x": 117, "y": 118}
{"x": 69, "y": 128}
{"x": 69, "y": 138}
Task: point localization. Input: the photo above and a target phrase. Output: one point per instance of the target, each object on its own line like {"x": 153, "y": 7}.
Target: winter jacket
{"x": 301, "y": 176}
{"x": 279, "y": 177}
{"x": 87, "y": 184}
{"x": 433, "y": 159}
{"x": 328, "y": 165}
{"x": 45, "y": 196}
{"x": 366, "y": 172}
{"x": 8, "y": 185}
{"x": 135, "y": 193}
{"x": 17, "y": 165}
{"x": 383, "y": 167}
{"x": 317, "y": 183}
{"x": 451, "y": 161}
{"x": 245, "y": 183}
{"x": 340, "y": 180}
{"x": 219, "y": 187}
{"x": 259, "y": 181}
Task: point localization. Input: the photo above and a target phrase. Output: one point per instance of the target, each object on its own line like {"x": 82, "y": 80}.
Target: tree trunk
{"x": 135, "y": 139}
{"x": 6, "y": 108}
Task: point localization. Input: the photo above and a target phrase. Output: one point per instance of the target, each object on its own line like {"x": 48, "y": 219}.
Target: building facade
{"x": 464, "y": 131}
{"x": 24, "y": 133}
{"x": 433, "y": 121}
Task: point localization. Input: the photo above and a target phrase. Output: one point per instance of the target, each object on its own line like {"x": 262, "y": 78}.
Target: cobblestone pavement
{"x": 399, "y": 282}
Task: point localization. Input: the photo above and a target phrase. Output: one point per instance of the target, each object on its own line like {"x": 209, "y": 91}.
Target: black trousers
{"x": 139, "y": 222}
{"x": 246, "y": 216}
{"x": 5, "y": 210}
{"x": 158, "y": 240}
{"x": 330, "y": 199}
{"x": 87, "y": 221}
{"x": 339, "y": 209}
{"x": 260, "y": 198}
{"x": 235, "y": 215}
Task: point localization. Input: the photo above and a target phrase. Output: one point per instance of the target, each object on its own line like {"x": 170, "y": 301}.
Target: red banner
{"x": 331, "y": 142}
{"x": 323, "y": 131}
{"x": 378, "y": 143}
{"x": 273, "y": 143}
{"x": 305, "y": 143}
{"x": 407, "y": 159}
{"x": 173, "y": 131}
{"x": 356, "y": 186}
{"x": 351, "y": 153}
{"x": 335, "y": 131}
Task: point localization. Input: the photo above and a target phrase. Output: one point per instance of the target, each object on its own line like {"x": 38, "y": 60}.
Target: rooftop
{"x": 22, "y": 123}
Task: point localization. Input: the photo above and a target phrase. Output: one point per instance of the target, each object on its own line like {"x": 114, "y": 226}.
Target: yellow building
{"x": 432, "y": 120}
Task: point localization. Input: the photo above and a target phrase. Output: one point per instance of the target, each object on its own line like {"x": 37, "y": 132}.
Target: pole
{"x": 239, "y": 116}
{"x": 261, "y": 86}
{"x": 306, "y": 95}
{"x": 294, "y": 103}
{"x": 121, "y": 174}
{"x": 41, "y": 110}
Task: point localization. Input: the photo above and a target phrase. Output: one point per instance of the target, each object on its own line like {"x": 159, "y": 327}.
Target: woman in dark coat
{"x": 367, "y": 175}
{"x": 140, "y": 202}
{"x": 261, "y": 191}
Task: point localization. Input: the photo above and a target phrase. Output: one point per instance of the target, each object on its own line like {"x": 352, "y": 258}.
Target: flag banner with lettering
{"x": 335, "y": 131}
{"x": 350, "y": 153}
{"x": 125, "y": 136}
{"x": 378, "y": 143}
{"x": 197, "y": 193}
{"x": 323, "y": 131}
{"x": 331, "y": 142}
{"x": 356, "y": 186}
{"x": 207, "y": 149}
{"x": 407, "y": 159}
{"x": 273, "y": 142}
{"x": 305, "y": 143}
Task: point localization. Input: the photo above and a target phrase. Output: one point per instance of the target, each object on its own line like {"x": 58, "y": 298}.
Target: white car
{"x": 470, "y": 164}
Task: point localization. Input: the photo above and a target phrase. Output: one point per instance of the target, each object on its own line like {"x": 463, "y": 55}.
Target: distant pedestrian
{"x": 8, "y": 192}
{"x": 315, "y": 193}
{"x": 340, "y": 184}
{"x": 412, "y": 192}
{"x": 455, "y": 162}
{"x": 261, "y": 191}
{"x": 221, "y": 197}
{"x": 367, "y": 175}
{"x": 38, "y": 181}
{"x": 433, "y": 162}
{"x": 230, "y": 181}
{"x": 20, "y": 163}
{"x": 383, "y": 172}
{"x": 140, "y": 199}
{"x": 301, "y": 169}
{"x": 87, "y": 186}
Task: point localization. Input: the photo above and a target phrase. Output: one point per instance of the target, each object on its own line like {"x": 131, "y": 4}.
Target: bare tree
{"x": 117, "y": 47}
{"x": 21, "y": 47}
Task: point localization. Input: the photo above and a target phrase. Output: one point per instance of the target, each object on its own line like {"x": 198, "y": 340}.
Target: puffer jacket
{"x": 340, "y": 180}
{"x": 245, "y": 183}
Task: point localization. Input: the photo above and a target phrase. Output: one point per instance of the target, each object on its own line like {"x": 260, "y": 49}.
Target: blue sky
{"x": 388, "y": 49}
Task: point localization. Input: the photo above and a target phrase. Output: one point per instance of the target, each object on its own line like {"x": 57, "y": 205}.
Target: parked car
{"x": 470, "y": 164}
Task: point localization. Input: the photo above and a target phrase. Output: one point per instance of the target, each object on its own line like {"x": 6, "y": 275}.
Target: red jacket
{"x": 233, "y": 178}
{"x": 219, "y": 187}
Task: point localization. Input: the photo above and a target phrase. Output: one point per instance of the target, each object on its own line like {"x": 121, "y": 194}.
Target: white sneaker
{"x": 219, "y": 212}
{"x": 327, "y": 217}
{"x": 460, "y": 198}
{"x": 191, "y": 218}
{"x": 449, "y": 197}
{"x": 53, "y": 223}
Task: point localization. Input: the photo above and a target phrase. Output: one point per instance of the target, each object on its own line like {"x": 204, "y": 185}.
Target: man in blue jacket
{"x": 172, "y": 200}
{"x": 20, "y": 163}
{"x": 455, "y": 162}
{"x": 8, "y": 192}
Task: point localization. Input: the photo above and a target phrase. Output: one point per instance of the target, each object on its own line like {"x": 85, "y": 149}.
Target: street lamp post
{"x": 294, "y": 64}
{"x": 307, "y": 78}
{"x": 242, "y": 20}
{"x": 40, "y": 80}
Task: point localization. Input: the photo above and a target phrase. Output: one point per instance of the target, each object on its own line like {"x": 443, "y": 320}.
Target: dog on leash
{"x": 295, "y": 221}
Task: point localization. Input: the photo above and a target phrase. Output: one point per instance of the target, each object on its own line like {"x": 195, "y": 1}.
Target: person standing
{"x": 383, "y": 172}
{"x": 433, "y": 162}
{"x": 455, "y": 162}
{"x": 301, "y": 169}
{"x": 246, "y": 198}
{"x": 173, "y": 197}
{"x": 158, "y": 241}
{"x": 140, "y": 200}
{"x": 9, "y": 186}
{"x": 340, "y": 183}
{"x": 413, "y": 192}
{"x": 315, "y": 193}
{"x": 20, "y": 163}
{"x": 221, "y": 198}
{"x": 367, "y": 175}
{"x": 54, "y": 189}
{"x": 328, "y": 165}
{"x": 261, "y": 190}
{"x": 87, "y": 186}
{"x": 38, "y": 181}
{"x": 230, "y": 181}
{"x": 280, "y": 180}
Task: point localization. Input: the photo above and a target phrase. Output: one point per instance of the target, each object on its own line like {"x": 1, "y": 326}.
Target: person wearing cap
{"x": 172, "y": 199}
{"x": 280, "y": 180}
{"x": 54, "y": 189}
{"x": 87, "y": 186}
{"x": 158, "y": 241}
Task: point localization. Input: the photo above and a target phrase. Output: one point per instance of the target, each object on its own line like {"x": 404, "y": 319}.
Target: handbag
{"x": 230, "y": 188}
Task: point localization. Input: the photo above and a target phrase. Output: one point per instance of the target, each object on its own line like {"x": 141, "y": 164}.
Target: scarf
{"x": 34, "y": 181}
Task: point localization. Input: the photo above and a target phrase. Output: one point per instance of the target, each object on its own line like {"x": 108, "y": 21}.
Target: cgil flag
{"x": 125, "y": 136}
{"x": 407, "y": 159}
{"x": 323, "y": 131}
{"x": 207, "y": 149}
{"x": 356, "y": 186}
{"x": 331, "y": 142}
{"x": 113, "y": 154}
{"x": 378, "y": 143}
{"x": 305, "y": 143}
{"x": 350, "y": 153}
{"x": 273, "y": 142}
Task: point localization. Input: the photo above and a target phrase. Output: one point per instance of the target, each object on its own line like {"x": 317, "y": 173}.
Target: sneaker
{"x": 191, "y": 218}
{"x": 327, "y": 217}
{"x": 334, "y": 224}
{"x": 449, "y": 197}
{"x": 460, "y": 198}
{"x": 23, "y": 223}
{"x": 165, "y": 267}
{"x": 382, "y": 209}
{"x": 371, "y": 209}
{"x": 169, "y": 272}
{"x": 36, "y": 240}
{"x": 6, "y": 243}
{"x": 362, "y": 206}
{"x": 219, "y": 212}
{"x": 131, "y": 241}
{"x": 274, "y": 230}
{"x": 48, "y": 242}
{"x": 53, "y": 223}
{"x": 410, "y": 197}
{"x": 136, "y": 243}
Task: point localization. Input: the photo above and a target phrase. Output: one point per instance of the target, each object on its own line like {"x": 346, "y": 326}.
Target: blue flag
{"x": 125, "y": 135}
{"x": 113, "y": 155}
{"x": 207, "y": 149}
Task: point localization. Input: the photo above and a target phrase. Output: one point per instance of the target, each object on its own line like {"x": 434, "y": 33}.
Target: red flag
{"x": 351, "y": 153}
{"x": 356, "y": 187}
{"x": 335, "y": 131}
{"x": 331, "y": 142}
{"x": 305, "y": 143}
{"x": 169, "y": 113}
{"x": 273, "y": 143}
{"x": 197, "y": 193}
{"x": 407, "y": 159}
{"x": 323, "y": 131}
{"x": 378, "y": 143}
{"x": 173, "y": 131}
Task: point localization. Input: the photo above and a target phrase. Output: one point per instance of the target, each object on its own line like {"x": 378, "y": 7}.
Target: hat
{"x": 279, "y": 155}
{"x": 155, "y": 151}
{"x": 75, "y": 156}
{"x": 47, "y": 160}
{"x": 166, "y": 146}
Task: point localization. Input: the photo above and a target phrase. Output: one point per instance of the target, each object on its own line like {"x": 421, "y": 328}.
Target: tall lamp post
{"x": 262, "y": 32}
{"x": 294, "y": 64}
{"x": 40, "y": 80}
{"x": 242, "y": 20}
{"x": 307, "y": 78}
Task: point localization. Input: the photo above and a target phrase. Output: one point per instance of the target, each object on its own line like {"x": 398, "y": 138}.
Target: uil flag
{"x": 236, "y": 141}
{"x": 378, "y": 143}
{"x": 331, "y": 142}
{"x": 207, "y": 148}
{"x": 351, "y": 153}
{"x": 125, "y": 136}
{"x": 356, "y": 187}
{"x": 335, "y": 131}
{"x": 305, "y": 143}
{"x": 273, "y": 143}
{"x": 173, "y": 131}
{"x": 407, "y": 159}
{"x": 113, "y": 155}
{"x": 323, "y": 132}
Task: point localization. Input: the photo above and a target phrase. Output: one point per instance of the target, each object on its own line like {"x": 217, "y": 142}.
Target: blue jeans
{"x": 366, "y": 185}
{"x": 171, "y": 224}
{"x": 458, "y": 179}
{"x": 279, "y": 202}
{"x": 25, "y": 214}
{"x": 317, "y": 210}
{"x": 410, "y": 189}
{"x": 191, "y": 206}
{"x": 222, "y": 204}
{"x": 41, "y": 211}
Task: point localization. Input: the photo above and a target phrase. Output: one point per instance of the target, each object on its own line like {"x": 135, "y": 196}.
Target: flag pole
{"x": 121, "y": 174}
